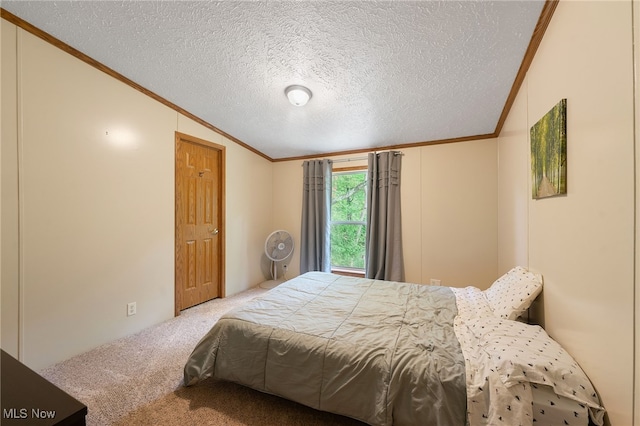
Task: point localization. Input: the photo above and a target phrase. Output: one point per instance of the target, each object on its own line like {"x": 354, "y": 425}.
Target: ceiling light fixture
{"x": 298, "y": 95}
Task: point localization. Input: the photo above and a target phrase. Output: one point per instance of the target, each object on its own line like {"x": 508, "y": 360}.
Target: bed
{"x": 389, "y": 353}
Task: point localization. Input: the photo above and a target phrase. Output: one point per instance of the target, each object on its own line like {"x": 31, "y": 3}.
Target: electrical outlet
{"x": 131, "y": 309}
{"x": 435, "y": 281}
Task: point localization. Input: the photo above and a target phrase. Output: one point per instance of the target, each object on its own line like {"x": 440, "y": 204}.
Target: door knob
{"x": 214, "y": 231}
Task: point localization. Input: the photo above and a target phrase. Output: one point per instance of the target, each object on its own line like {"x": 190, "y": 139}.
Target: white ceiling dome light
{"x": 298, "y": 95}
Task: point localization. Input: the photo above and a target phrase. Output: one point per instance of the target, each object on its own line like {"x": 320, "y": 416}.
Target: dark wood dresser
{"x": 29, "y": 399}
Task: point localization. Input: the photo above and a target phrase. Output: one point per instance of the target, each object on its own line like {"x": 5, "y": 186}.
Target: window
{"x": 348, "y": 219}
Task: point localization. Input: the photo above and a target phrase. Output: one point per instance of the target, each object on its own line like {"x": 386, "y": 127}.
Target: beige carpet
{"x": 137, "y": 380}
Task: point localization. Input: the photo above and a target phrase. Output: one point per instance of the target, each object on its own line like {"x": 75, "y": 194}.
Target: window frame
{"x": 343, "y": 270}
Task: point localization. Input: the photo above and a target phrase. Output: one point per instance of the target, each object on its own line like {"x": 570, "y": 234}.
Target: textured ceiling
{"x": 382, "y": 73}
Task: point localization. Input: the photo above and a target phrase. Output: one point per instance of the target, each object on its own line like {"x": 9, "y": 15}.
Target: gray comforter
{"x": 381, "y": 352}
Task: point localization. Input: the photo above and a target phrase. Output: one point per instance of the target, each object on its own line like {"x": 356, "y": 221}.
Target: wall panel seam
{"x": 19, "y": 144}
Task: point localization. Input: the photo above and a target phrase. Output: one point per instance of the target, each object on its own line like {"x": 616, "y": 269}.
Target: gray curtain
{"x": 384, "y": 260}
{"x": 315, "y": 254}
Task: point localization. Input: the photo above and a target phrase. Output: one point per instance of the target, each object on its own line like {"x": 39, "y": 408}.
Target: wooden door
{"x": 199, "y": 221}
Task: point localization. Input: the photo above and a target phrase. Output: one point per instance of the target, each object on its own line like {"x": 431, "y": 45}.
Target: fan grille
{"x": 278, "y": 246}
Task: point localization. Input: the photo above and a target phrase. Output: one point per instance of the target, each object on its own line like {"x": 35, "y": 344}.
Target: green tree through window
{"x": 348, "y": 219}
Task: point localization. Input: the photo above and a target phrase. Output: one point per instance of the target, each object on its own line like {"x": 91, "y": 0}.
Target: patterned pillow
{"x": 522, "y": 353}
{"x": 512, "y": 294}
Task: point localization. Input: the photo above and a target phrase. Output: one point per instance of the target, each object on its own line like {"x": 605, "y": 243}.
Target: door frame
{"x": 221, "y": 212}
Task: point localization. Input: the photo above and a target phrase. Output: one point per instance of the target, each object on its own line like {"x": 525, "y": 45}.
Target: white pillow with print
{"x": 511, "y": 295}
{"x": 522, "y": 353}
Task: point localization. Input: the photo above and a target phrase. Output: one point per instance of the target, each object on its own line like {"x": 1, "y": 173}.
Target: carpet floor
{"x": 137, "y": 380}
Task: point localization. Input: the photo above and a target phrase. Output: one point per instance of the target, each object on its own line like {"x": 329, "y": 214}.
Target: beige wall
{"x": 449, "y": 210}
{"x": 458, "y": 194}
{"x": 583, "y": 243}
{"x": 9, "y": 297}
{"x": 513, "y": 188}
{"x": 96, "y": 205}
{"x": 287, "y": 208}
{"x": 636, "y": 33}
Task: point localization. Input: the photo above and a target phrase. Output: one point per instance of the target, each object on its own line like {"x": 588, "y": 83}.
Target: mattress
{"x": 550, "y": 409}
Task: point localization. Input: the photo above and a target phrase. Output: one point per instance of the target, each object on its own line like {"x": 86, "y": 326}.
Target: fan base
{"x": 271, "y": 283}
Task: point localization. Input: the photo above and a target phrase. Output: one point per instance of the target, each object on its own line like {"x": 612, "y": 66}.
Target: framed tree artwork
{"x": 549, "y": 153}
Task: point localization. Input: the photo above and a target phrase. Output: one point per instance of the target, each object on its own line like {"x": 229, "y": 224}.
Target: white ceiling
{"x": 382, "y": 73}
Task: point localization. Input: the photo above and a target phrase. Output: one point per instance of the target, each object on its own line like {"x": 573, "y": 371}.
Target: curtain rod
{"x": 341, "y": 160}
{"x": 344, "y": 160}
